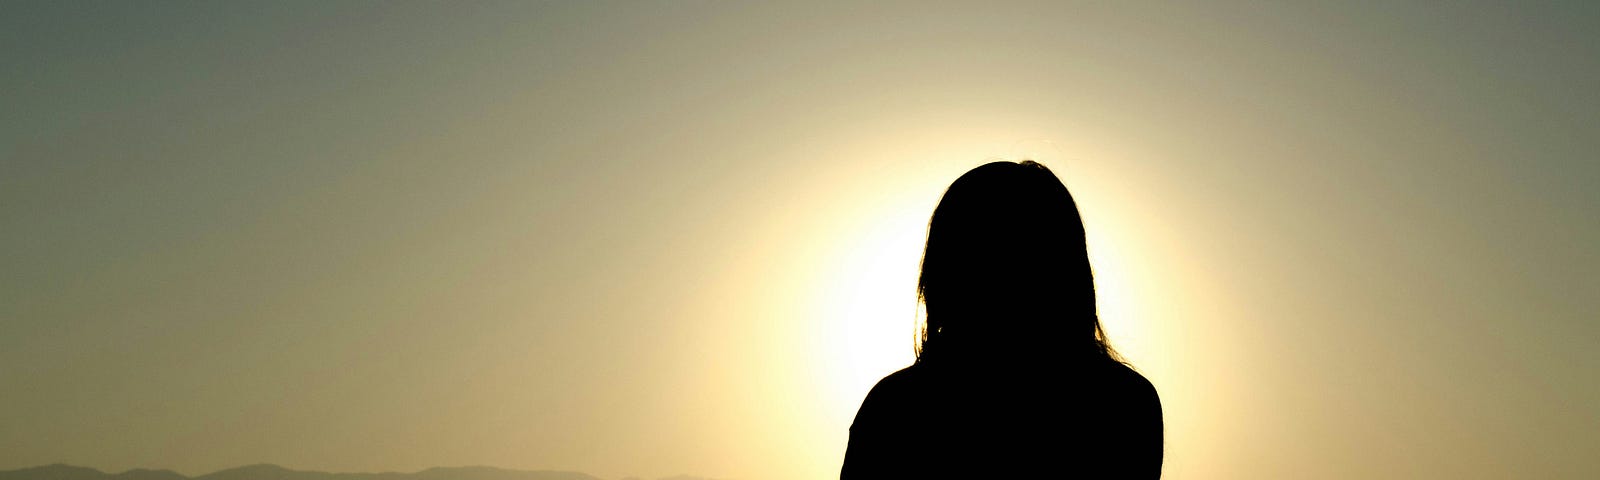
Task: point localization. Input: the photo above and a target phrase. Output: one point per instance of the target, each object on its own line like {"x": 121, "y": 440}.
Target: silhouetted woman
{"x": 1013, "y": 373}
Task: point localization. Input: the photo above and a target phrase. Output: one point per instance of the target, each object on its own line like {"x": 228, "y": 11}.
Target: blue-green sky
{"x": 1344, "y": 240}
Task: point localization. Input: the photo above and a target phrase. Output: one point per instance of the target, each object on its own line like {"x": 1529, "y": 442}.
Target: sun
{"x": 871, "y": 299}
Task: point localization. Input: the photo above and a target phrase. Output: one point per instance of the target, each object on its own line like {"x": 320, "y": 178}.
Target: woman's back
{"x": 1014, "y": 374}
{"x": 1097, "y": 420}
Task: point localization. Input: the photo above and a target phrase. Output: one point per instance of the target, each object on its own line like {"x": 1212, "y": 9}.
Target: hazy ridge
{"x": 274, "y": 472}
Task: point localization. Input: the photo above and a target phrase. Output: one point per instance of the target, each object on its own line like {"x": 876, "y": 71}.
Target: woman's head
{"x": 1005, "y": 273}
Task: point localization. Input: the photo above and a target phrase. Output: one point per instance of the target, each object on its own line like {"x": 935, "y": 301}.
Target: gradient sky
{"x": 681, "y": 237}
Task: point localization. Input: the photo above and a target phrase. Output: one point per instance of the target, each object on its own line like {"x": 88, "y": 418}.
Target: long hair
{"x": 1005, "y": 272}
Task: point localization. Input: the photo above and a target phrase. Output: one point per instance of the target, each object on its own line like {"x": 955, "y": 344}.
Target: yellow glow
{"x": 868, "y": 280}
{"x": 683, "y": 238}
{"x": 1117, "y": 307}
{"x": 871, "y": 299}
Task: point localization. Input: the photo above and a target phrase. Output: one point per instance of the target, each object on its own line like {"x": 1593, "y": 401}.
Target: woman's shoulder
{"x": 1136, "y": 396}
{"x": 1114, "y": 379}
{"x": 886, "y": 403}
{"x": 905, "y": 381}
{"x": 1129, "y": 382}
{"x": 1133, "y": 379}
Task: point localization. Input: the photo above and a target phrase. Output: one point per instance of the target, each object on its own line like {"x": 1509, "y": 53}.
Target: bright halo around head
{"x": 871, "y": 300}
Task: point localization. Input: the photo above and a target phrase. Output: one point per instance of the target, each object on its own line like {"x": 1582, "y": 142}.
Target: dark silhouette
{"x": 1013, "y": 374}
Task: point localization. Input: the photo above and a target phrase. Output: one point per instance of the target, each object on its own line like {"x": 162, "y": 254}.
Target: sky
{"x": 1343, "y": 240}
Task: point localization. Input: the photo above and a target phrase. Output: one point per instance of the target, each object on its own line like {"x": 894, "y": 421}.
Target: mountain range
{"x": 274, "y": 472}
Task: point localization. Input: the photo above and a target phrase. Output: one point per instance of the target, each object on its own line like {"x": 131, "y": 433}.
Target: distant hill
{"x": 274, "y": 472}
{"x": 68, "y": 472}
